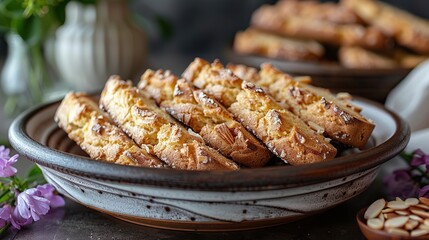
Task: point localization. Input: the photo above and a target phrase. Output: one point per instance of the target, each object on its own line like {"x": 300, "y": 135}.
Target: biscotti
{"x": 254, "y": 41}
{"x": 270, "y": 19}
{"x": 93, "y": 131}
{"x": 150, "y": 128}
{"x": 315, "y": 106}
{"x": 283, "y": 133}
{"x": 315, "y": 10}
{"x": 205, "y": 116}
{"x": 357, "y": 57}
{"x": 407, "y": 29}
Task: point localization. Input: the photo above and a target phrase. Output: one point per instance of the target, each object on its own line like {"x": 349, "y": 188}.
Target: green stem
{"x": 4, "y": 198}
{"x": 35, "y": 73}
{"x": 4, "y": 228}
{"x": 11, "y": 105}
{"x": 4, "y": 142}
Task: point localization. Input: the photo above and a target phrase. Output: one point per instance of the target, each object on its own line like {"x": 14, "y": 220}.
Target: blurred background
{"x": 166, "y": 34}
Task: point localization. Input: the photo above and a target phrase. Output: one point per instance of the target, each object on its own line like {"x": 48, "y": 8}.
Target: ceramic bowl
{"x": 209, "y": 201}
{"x": 373, "y": 84}
{"x": 373, "y": 234}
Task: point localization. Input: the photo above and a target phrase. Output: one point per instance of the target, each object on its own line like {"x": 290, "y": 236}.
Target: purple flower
{"x": 6, "y": 169}
{"x": 5, "y": 212}
{"x": 17, "y": 220}
{"x": 47, "y": 191}
{"x": 424, "y": 192}
{"x": 31, "y": 204}
{"x": 420, "y": 158}
{"x": 401, "y": 184}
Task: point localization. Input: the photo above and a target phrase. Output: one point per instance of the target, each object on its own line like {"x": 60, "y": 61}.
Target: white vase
{"x": 97, "y": 41}
{"x": 16, "y": 69}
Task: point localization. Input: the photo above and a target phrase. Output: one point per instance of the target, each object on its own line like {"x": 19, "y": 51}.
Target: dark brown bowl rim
{"x": 249, "y": 179}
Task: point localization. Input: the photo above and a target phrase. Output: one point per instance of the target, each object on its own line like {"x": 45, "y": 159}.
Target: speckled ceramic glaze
{"x": 216, "y": 200}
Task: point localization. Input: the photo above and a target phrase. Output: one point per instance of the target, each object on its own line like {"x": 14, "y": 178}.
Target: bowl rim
{"x": 267, "y": 178}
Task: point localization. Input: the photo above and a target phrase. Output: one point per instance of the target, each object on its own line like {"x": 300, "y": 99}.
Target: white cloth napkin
{"x": 410, "y": 100}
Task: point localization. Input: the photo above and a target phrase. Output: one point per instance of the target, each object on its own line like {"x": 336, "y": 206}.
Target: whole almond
{"x": 396, "y": 222}
{"x": 417, "y": 218}
{"x": 374, "y": 209}
{"x": 424, "y": 226}
{"x": 381, "y": 217}
{"x": 397, "y": 205}
{"x": 420, "y": 213}
{"x": 402, "y": 212}
{"x": 390, "y": 215}
{"x": 411, "y": 224}
{"x": 375, "y": 223}
{"x": 387, "y": 210}
{"x": 411, "y": 201}
{"x": 419, "y": 232}
{"x": 424, "y": 200}
{"x": 398, "y": 231}
{"x": 422, "y": 206}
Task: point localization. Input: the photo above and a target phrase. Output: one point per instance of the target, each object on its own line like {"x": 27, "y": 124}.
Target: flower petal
{"x": 17, "y": 220}
{"x": 57, "y": 201}
{"x": 424, "y": 191}
{"x": 5, "y": 212}
{"x": 22, "y": 205}
{"x": 7, "y": 171}
{"x": 46, "y": 189}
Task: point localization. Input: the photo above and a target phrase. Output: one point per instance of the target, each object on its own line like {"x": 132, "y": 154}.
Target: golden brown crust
{"x": 205, "y": 116}
{"x": 357, "y": 57}
{"x": 407, "y": 59}
{"x": 282, "y": 132}
{"x": 253, "y": 41}
{"x": 408, "y": 30}
{"x": 336, "y": 118}
{"x": 270, "y": 19}
{"x": 150, "y": 127}
{"x": 327, "y": 11}
{"x": 91, "y": 129}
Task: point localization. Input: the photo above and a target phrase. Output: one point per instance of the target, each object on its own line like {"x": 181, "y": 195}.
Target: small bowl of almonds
{"x": 397, "y": 219}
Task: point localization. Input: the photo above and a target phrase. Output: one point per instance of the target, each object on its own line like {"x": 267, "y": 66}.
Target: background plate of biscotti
{"x": 365, "y": 47}
{"x": 206, "y": 200}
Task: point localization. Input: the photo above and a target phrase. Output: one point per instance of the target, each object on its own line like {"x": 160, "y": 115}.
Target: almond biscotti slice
{"x": 335, "y": 117}
{"x": 94, "y": 132}
{"x": 283, "y": 133}
{"x": 206, "y": 116}
{"x": 254, "y": 41}
{"x": 150, "y": 127}
{"x": 408, "y": 30}
{"x": 269, "y": 18}
{"x": 315, "y": 10}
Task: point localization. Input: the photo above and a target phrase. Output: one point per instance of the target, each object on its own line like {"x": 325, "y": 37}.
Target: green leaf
{"x": 30, "y": 29}
{"x": 5, "y": 196}
{"x": 164, "y": 27}
{"x": 35, "y": 171}
{"x": 11, "y": 9}
{"x": 35, "y": 177}
{"x": 4, "y": 22}
{"x": 4, "y": 142}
